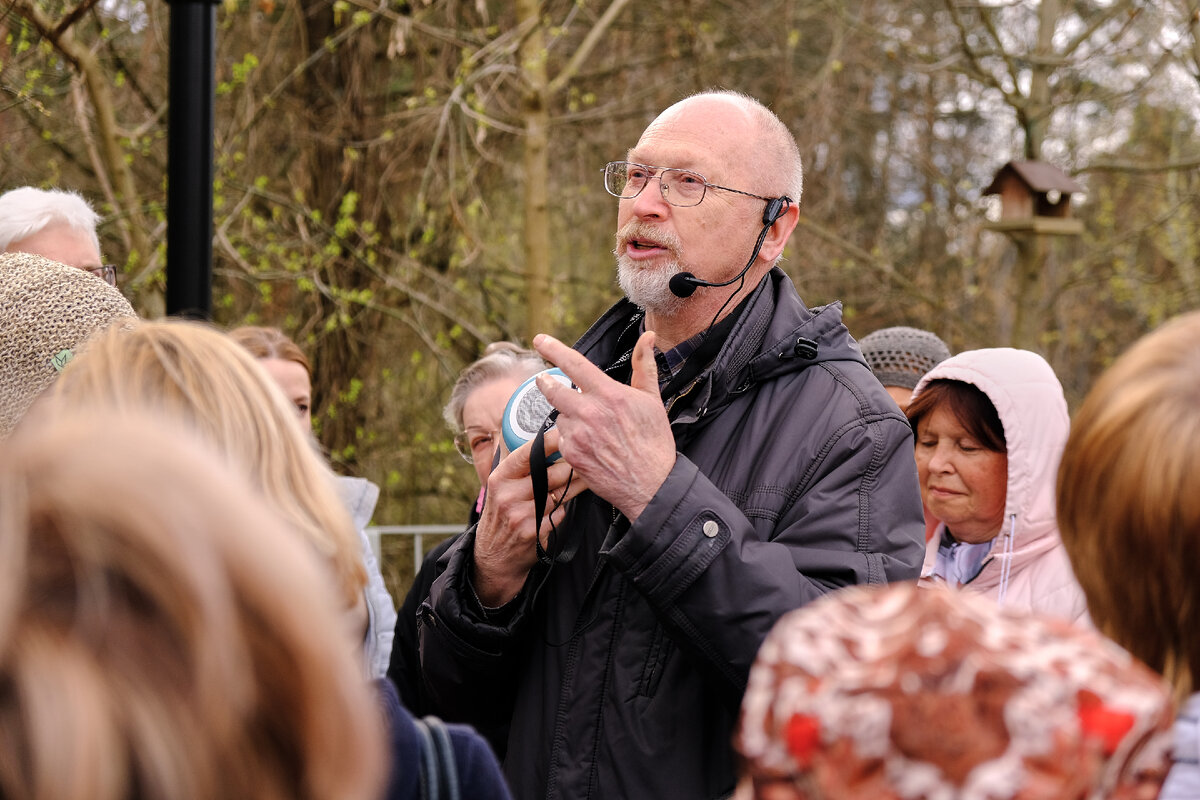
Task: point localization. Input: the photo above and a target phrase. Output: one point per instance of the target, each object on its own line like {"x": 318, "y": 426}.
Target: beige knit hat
{"x": 47, "y": 310}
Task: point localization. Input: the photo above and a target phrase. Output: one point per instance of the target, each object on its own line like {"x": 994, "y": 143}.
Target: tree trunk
{"x": 1032, "y": 248}
{"x": 535, "y": 161}
{"x": 1030, "y": 268}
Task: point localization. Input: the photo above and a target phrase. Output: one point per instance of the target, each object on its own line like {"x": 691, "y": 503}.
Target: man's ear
{"x": 779, "y": 233}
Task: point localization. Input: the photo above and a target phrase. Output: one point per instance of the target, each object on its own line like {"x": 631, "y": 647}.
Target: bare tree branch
{"x": 127, "y": 198}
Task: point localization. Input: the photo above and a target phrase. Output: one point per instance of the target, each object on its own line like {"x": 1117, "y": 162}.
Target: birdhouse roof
{"x": 1037, "y": 175}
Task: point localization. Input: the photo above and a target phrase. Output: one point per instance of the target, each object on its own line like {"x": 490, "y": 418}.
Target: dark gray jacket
{"x": 622, "y": 669}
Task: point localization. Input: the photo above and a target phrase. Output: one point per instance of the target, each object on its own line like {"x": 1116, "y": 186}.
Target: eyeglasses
{"x": 105, "y": 272}
{"x": 680, "y": 187}
{"x": 475, "y": 443}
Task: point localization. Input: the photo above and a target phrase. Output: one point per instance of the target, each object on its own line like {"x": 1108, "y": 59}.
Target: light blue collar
{"x": 959, "y": 562}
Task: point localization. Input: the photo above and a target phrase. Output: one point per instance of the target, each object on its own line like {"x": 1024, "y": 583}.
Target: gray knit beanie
{"x": 900, "y": 356}
{"x": 47, "y": 310}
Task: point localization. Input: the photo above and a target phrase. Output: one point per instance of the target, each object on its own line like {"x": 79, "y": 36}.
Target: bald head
{"x": 762, "y": 138}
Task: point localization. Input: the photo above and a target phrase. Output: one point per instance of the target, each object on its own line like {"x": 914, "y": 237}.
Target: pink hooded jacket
{"x": 1027, "y": 567}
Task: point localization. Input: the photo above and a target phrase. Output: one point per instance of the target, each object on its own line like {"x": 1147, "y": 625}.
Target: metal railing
{"x": 375, "y": 533}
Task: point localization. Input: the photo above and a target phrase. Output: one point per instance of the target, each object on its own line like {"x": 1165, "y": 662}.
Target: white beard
{"x": 649, "y": 288}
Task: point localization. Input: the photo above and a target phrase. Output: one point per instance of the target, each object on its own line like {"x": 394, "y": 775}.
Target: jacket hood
{"x": 1033, "y": 412}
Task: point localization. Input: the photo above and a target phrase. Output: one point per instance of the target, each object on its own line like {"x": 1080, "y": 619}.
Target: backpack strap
{"x": 439, "y": 770}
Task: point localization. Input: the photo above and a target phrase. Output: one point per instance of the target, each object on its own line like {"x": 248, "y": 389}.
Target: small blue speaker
{"x": 527, "y": 410}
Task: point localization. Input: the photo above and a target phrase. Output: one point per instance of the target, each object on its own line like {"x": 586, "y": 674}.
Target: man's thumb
{"x": 645, "y": 368}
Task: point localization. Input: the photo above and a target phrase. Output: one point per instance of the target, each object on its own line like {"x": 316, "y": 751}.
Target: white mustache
{"x": 636, "y": 230}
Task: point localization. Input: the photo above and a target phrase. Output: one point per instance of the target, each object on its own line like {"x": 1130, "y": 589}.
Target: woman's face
{"x": 482, "y": 413}
{"x": 962, "y": 484}
{"x": 293, "y": 379}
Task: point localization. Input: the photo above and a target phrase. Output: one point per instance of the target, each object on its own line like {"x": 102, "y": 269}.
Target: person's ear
{"x": 780, "y": 231}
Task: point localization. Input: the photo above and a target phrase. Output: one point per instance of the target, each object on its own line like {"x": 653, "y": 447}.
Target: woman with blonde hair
{"x": 1129, "y": 512}
{"x": 162, "y": 634}
{"x": 194, "y": 374}
{"x": 287, "y": 365}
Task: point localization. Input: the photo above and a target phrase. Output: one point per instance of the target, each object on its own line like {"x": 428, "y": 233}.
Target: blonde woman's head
{"x": 1129, "y": 500}
{"x": 193, "y": 373}
{"x": 162, "y": 634}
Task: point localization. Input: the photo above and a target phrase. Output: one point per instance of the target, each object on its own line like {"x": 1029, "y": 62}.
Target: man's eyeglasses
{"x": 475, "y": 443}
{"x": 680, "y": 187}
{"x": 105, "y": 272}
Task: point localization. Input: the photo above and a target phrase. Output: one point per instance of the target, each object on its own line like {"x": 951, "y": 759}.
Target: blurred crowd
{"x": 745, "y": 555}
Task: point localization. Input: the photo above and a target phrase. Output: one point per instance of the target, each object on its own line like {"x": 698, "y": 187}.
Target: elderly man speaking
{"x": 727, "y": 456}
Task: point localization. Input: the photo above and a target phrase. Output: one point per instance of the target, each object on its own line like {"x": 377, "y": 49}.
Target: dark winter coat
{"x": 621, "y": 670}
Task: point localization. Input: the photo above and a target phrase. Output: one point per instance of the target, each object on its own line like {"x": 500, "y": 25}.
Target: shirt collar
{"x": 670, "y": 362}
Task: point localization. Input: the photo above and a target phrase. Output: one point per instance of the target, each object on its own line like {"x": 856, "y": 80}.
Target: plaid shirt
{"x": 672, "y": 361}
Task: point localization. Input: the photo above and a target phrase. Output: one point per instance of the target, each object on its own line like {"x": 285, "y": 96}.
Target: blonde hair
{"x": 1129, "y": 501}
{"x": 194, "y": 373}
{"x": 161, "y": 633}
{"x": 263, "y": 342}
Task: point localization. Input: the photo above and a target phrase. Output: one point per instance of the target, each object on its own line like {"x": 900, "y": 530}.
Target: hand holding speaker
{"x": 506, "y": 537}
{"x": 616, "y": 437}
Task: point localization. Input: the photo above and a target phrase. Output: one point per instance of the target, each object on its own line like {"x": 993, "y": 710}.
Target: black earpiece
{"x": 775, "y": 209}
{"x": 684, "y": 284}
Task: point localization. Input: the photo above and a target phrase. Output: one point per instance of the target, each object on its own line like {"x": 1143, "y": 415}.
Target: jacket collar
{"x": 776, "y": 334}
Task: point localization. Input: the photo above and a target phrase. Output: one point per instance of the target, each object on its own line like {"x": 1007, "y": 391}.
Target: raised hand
{"x": 505, "y": 548}
{"x": 616, "y": 437}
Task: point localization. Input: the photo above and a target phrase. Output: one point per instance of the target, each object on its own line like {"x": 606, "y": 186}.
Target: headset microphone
{"x": 684, "y": 284}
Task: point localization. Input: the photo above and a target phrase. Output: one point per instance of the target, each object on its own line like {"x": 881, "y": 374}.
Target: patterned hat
{"x": 47, "y": 309}
{"x": 900, "y": 356}
{"x": 914, "y": 693}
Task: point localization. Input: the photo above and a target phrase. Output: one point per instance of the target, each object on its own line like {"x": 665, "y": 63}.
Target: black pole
{"x": 190, "y": 158}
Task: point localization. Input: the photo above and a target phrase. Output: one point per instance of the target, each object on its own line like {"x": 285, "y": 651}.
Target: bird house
{"x": 1035, "y": 197}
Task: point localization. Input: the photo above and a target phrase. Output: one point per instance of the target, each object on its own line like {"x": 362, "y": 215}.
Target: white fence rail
{"x": 375, "y": 534}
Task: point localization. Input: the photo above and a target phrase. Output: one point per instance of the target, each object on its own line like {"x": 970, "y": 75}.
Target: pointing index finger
{"x": 574, "y": 364}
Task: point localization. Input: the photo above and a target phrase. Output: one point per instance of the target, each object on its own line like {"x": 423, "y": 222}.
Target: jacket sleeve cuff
{"x": 455, "y": 603}
{"x": 676, "y": 537}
